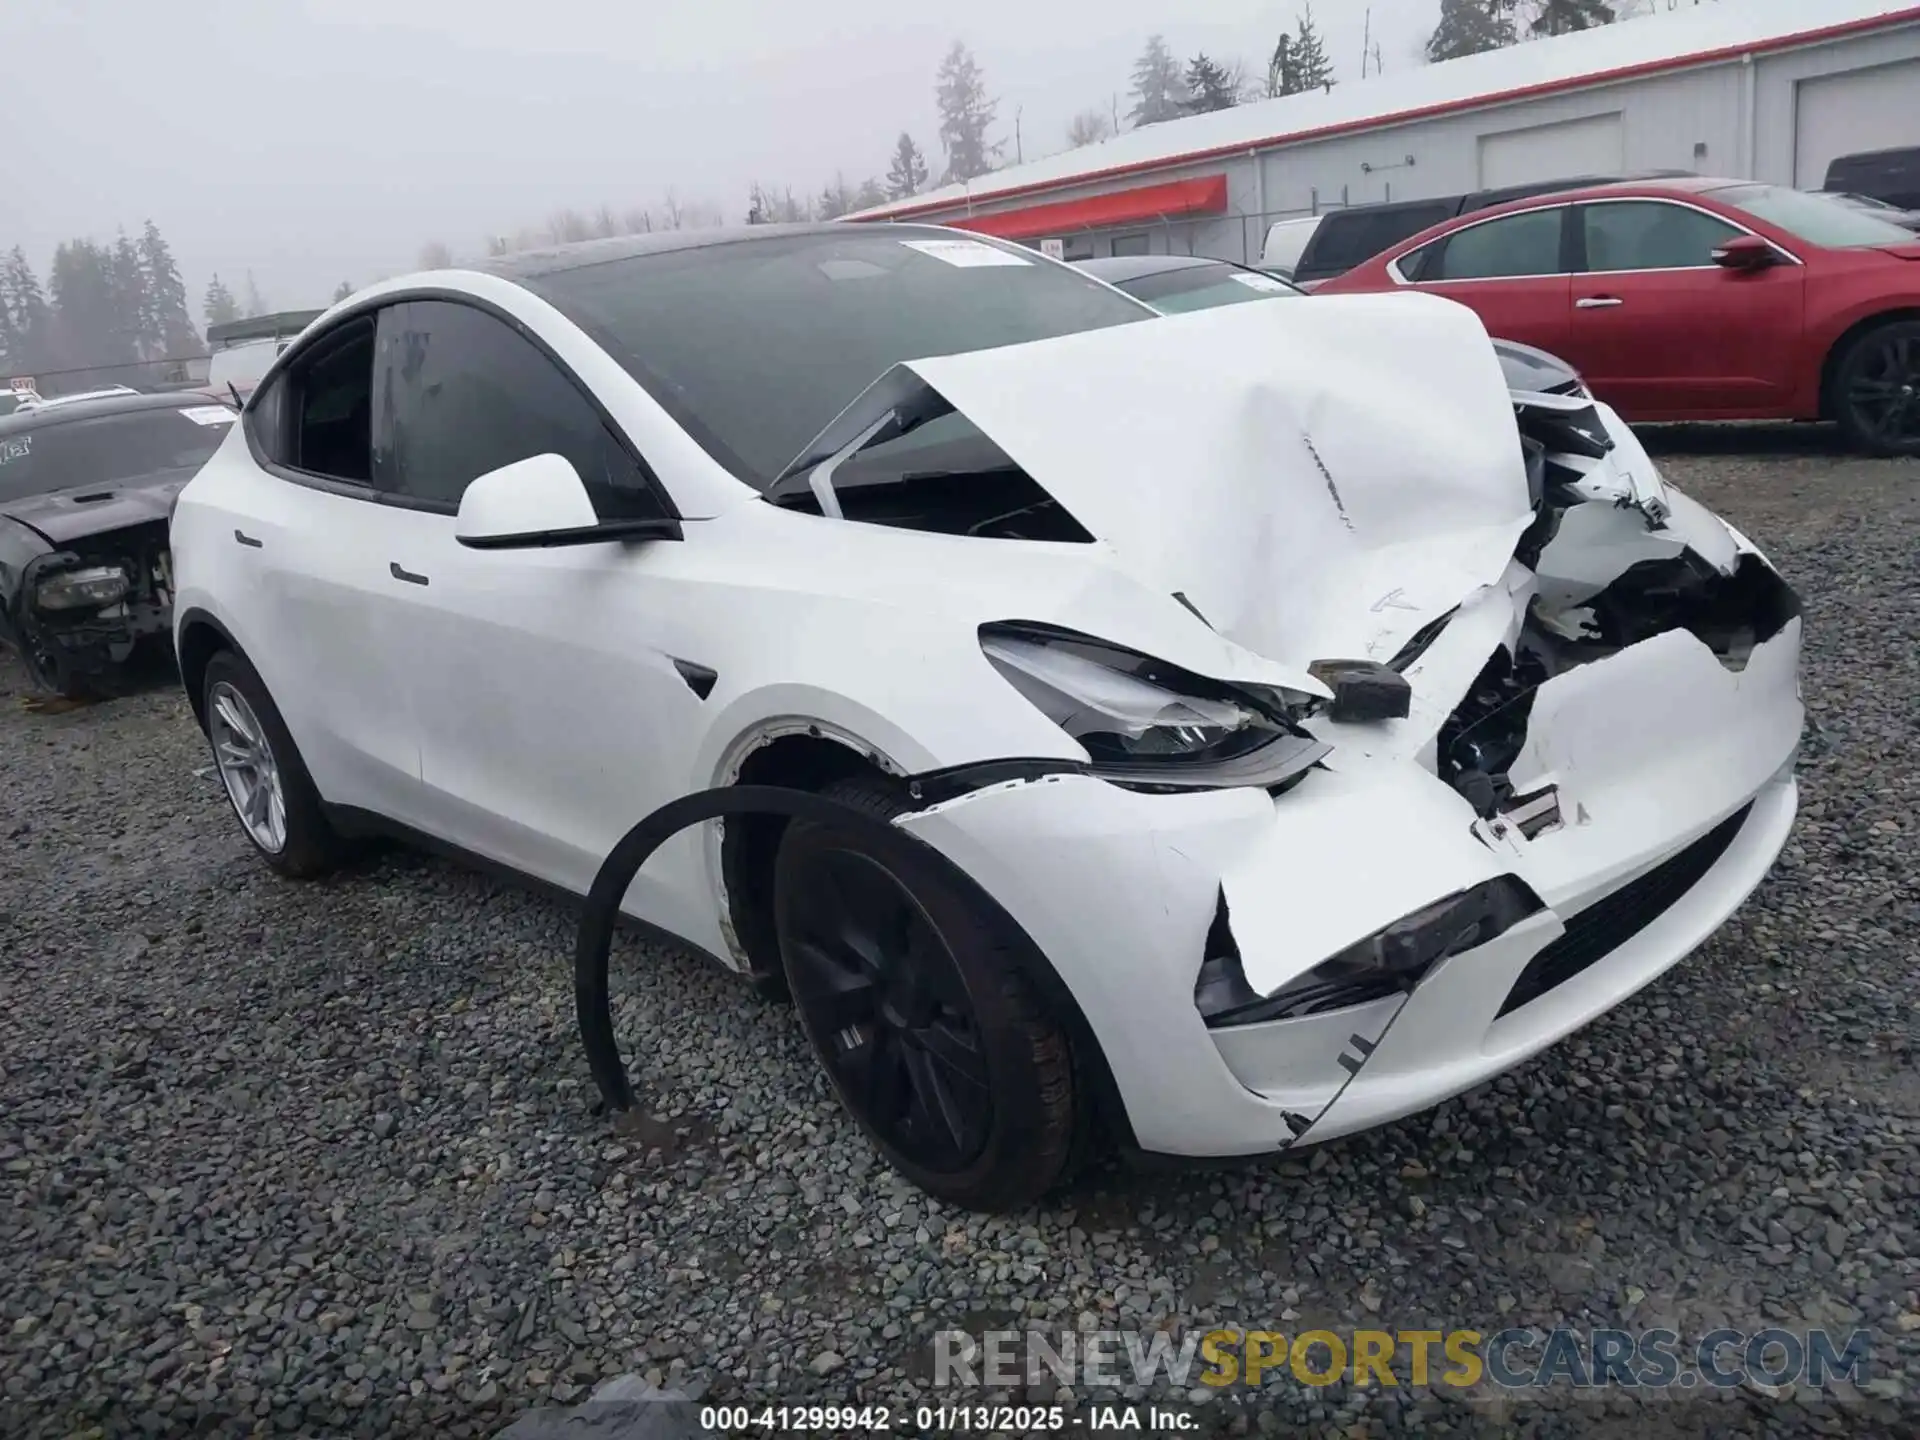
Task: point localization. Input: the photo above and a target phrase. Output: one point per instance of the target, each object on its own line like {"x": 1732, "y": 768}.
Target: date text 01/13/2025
{"x": 940, "y": 1419}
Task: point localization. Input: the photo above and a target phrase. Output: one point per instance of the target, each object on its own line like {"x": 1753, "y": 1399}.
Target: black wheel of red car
{"x": 1876, "y": 390}
{"x": 921, "y": 1017}
{"x": 260, "y": 767}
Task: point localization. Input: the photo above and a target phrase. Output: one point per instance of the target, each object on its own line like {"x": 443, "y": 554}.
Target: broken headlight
{"x": 1390, "y": 961}
{"x": 1131, "y": 711}
{"x": 87, "y": 589}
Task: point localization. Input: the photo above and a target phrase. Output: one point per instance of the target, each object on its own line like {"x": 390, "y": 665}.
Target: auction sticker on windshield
{"x": 966, "y": 253}
{"x": 209, "y": 414}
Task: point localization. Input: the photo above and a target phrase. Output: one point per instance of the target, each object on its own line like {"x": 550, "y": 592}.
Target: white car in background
{"x": 1312, "y": 738}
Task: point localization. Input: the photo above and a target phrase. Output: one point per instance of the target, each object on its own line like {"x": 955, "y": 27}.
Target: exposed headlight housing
{"x": 90, "y": 588}
{"x": 1141, "y": 718}
{"x": 1393, "y": 959}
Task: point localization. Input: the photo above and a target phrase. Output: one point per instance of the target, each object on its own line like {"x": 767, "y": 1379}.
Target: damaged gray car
{"x": 85, "y": 493}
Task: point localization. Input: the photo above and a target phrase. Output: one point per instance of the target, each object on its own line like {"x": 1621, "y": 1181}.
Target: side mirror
{"x": 1745, "y": 252}
{"x": 540, "y": 502}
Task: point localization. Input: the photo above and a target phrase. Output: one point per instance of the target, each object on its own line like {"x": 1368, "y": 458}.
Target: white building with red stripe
{"x": 1755, "y": 89}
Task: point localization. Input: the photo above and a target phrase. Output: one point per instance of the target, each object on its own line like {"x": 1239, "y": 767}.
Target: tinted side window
{"x": 327, "y": 427}
{"x": 1513, "y": 245}
{"x": 462, "y": 392}
{"x": 1345, "y": 238}
{"x": 1647, "y": 235}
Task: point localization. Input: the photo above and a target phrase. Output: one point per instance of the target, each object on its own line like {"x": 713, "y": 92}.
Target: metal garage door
{"x": 1548, "y": 152}
{"x": 1862, "y": 110}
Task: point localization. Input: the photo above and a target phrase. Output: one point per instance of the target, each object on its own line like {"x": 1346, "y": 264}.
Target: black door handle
{"x": 246, "y": 539}
{"x": 393, "y": 568}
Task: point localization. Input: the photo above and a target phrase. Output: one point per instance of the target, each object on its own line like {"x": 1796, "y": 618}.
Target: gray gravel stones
{"x": 320, "y": 1159}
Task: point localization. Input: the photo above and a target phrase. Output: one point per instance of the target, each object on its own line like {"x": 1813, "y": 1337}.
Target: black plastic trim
{"x": 1599, "y": 929}
{"x": 661, "y": 528}
{"x": 602, "y": 911}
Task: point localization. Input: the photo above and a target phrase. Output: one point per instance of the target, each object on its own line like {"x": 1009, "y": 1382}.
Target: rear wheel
{"x": 1876, "y": 390}
{"x": 265, "y": 779}
{"x": 918, "y": 1010}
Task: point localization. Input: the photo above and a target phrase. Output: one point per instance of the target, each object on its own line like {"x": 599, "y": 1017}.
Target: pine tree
{"x": 167, "y": 294}
{"x": 344, "y": 289}
{"x": 134, "y": 320}
{"x": 1468, "y": 27}
{"x": 30, "y": 318}
{"x": 907, "y": 174}
{"x": 1158, "y": 92}
{"x": 219, "y": 306}
{"x": 872, "y": 193}
{"x": 255, "y": 303}
{"x": 86, "y": 307}
{"x": 1208, "y": 86}
{"x": 1312, "y": 69}
{"x": 1563, "y": 17}
{"x": 965, "y": 113}
{"x": 1283, "y": 76}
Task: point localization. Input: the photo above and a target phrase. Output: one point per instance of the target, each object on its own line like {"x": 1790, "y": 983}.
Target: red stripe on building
{"x": 1888, "y": 21}
{"x": 1204, "y": 196}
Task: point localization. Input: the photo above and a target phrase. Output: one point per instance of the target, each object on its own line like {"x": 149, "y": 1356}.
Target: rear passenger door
{"x": 307, "y": 538}
{"x": 1513, "y": 271}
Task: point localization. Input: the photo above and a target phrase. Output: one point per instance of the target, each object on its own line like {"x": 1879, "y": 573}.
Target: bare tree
{"x": 639, "y": 221}
{"x": 672, "y": 217}
{"x": 605, "y": 223}
{"x": 435, "y": 256}
{"x": 569, "y": 227}
{"x": 1089, "y": 127}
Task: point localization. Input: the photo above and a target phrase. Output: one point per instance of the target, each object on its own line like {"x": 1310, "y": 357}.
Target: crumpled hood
{"x": 1318, "y": 481}
{"x": 63, "y": 516}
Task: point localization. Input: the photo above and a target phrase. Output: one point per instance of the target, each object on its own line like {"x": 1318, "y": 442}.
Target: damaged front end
{"x": 80, "y": 611}
{"x": 1618, "y": 558}
{"x": 1554, "y": 700}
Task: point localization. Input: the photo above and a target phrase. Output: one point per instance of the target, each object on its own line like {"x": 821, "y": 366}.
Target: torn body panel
{"x": 1243, "y": 458}
{"x": 76, "y": 605}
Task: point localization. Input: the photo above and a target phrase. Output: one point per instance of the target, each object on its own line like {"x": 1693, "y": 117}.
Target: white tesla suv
{"x": 1321, "y": 728}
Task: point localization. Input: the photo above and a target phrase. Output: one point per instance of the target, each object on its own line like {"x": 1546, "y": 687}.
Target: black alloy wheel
{"x": 876, "y": 980}
{"x": 921, "y": 1019}
{"x": 1877, "y": 390}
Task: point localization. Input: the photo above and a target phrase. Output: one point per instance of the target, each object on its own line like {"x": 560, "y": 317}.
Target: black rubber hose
{"x": 885, "y": 841}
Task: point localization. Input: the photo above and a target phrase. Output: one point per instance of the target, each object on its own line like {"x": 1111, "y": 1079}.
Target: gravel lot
{"x": 320, "y": 1157}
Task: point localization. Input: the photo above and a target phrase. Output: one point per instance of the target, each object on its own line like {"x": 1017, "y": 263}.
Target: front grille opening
{"x": 1611, "y": 921}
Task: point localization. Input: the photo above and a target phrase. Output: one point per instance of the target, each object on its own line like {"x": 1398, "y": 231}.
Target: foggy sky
{"x": 315, "y": 141}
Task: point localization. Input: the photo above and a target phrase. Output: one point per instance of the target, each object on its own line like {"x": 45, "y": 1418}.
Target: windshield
{"x": 1201, "y": 287}
{"x": 1817, "y": 219}
{"x": 754, "y": 346}
{"x": 108, "y": 449}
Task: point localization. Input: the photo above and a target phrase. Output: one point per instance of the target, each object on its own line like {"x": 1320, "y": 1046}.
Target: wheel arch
{"x": 794, "y": 753}
{"x": 1830, "y": 362}
{"x": 198, "y": 637}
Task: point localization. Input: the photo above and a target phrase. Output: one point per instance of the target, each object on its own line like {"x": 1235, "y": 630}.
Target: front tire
{"x": 919, "y": 1011}
{"x": 266, "y": 781}
{"x": 1876, "y": 390}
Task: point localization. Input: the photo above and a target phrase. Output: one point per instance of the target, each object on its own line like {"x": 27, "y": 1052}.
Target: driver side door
{"x": 551, "y": 717}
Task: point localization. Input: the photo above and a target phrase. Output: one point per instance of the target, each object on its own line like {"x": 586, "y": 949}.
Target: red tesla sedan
{"x": 1693, "y": 299}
